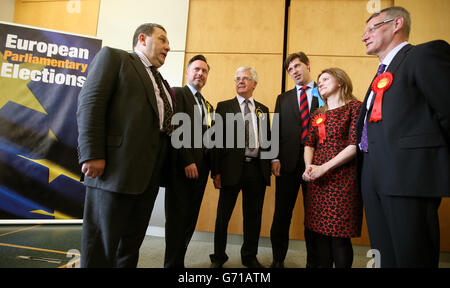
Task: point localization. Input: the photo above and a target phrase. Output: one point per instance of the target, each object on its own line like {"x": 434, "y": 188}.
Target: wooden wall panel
{"x": 430, "y": 20}
{"x": 56, "y": 15}
{"x": 236, "y": 26}
{"x": 328, "y": 27}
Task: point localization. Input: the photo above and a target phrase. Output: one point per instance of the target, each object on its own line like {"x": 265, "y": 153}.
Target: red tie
{"x": 304, "y": 112}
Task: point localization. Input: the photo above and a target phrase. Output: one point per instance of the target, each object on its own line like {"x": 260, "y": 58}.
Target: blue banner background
{"x": 39, "y": 168}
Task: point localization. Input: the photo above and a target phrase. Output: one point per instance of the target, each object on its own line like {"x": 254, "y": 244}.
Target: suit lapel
{"x": 143, "y": 74}
{"x": 235, "y": 107}
{"x": 292, "y": 101}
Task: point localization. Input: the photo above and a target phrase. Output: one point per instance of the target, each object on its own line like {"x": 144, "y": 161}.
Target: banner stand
{"x": 39, "y": 221}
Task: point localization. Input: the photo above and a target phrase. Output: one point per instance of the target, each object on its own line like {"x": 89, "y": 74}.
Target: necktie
{"x": 201, "y": 102}
{"x": 249, "y": 133}
{"x": 364, "y": 141}
{"x": 168, "y": 112}
{"x": 304, "y": 112}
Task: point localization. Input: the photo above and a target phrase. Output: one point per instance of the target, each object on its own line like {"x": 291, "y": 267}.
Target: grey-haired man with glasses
{"x": 240, "y": 166}
{"x": 404, "y": 132}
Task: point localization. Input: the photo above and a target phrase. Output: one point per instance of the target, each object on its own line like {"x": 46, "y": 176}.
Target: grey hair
{"x": 396, "y": 11}
{"x": 248, "y": 68}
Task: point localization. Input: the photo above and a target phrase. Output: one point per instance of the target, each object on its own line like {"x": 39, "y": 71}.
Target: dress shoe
{"x": 277, "y": 264}
{"x": 216, "y": 265}
{"x": 252, "y": 264}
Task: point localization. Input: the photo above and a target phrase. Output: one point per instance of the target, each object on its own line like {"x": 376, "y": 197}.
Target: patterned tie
{"x": 249, "y": 133}
{"x": 168, "y": 112}
{"x": 364, "y": 141}
{"x": 304, "y": 112}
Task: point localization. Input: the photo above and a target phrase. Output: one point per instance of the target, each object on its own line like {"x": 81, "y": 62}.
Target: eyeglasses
{"x": 377, "y": 25}
{"x": 245, "y": 79}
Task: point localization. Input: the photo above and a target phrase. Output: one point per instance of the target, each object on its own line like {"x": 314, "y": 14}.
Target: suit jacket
{"x": 118, "y": 121}
{"x": 188, "y": 155}
{"x": 410, "y": 144}
{"x": 291, "y": 146}
{"x": 229, "y": 162}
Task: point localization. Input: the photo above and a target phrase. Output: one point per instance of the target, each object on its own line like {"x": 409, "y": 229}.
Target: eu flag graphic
{"x": 41, "y": 75}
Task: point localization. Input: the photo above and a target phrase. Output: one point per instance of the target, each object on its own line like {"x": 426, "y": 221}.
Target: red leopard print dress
{"x": 333, "y": 205}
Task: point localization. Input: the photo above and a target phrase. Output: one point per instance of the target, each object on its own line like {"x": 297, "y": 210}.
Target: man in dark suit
{"x": 241, "y": 166}
{"x": 404, "y": 138}
{"x": 124, "y": 114}
{"x": 184, "y": 195}
{"x": 293, "y": 108}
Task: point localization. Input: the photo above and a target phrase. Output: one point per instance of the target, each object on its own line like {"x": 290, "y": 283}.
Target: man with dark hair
{"x": 124, "y": 123}
{"x": 184, "y": 195}
{"x": 294, "y": 108}
{"x": 404, "y": 134}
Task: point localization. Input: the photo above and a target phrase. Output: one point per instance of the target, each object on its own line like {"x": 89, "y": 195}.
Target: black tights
{"x": 332, "y": 250}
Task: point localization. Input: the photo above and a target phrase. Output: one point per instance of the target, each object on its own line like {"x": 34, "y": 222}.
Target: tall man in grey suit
{"x": 404, "y": 128}
{"x": 192, "y": 164}
{"x": 124, "y": 113}
{"x": 289, "y": 165}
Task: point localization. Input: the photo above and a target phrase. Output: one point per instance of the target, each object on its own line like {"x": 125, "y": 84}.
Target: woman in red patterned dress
{"x": 333, "y": 206}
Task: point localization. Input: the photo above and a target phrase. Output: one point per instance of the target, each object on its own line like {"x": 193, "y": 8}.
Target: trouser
{"x": 114, "y": 224}
{"x": 286, "y": 191}
{"x": 253, "y": 190}
{"x": 405, "y": 230}
{"x": 182, "y": 204}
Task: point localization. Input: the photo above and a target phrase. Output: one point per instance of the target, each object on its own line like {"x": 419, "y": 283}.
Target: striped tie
{"x": 304, "y": 112}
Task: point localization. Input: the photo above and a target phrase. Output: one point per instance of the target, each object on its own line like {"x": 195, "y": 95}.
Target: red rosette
{"x": 319, "y": 122}
{"x": 380, "y": 84}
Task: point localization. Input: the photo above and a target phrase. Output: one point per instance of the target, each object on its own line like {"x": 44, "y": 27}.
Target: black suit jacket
{"x": 118, "y": 121}
{"x": 229, "y": 162}
{"x": 187, "y": 155}
{"x": 290, "y": 125}
{"x": 410, "y": 144}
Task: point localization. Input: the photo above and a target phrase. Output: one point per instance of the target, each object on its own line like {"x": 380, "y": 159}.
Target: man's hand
{"x": 191, "y": 171}
{"x": 93, "y": 168}
{"x": 217, "y": 182}
{"x": 276, "y": 167}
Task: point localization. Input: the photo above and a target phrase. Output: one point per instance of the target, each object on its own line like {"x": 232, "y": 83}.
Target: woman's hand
{"x": 313, "y": 172}
{"x": 318, "y": 171}
{"x": 307, "y": 174}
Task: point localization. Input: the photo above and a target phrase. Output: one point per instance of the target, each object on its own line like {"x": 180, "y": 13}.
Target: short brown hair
{"x": 300, "y": 55}
{"x": 146, "y": 29}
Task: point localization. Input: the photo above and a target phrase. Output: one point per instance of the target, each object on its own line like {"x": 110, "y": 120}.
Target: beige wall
{"x": 7, "y": 11}
{"x": 59, "y": 15}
